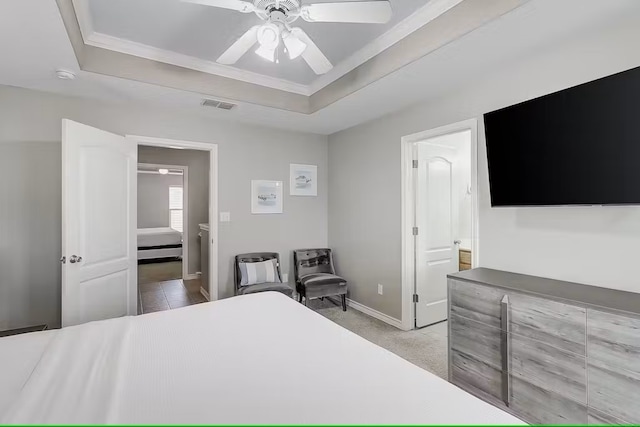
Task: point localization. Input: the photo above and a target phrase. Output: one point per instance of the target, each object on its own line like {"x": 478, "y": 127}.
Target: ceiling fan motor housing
{"x": 282, "y": 11}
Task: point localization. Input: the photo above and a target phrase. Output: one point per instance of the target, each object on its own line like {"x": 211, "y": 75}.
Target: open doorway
{"x": 440, "y": 217}
{"x": 162, "y": 221}
{"x": 173, "y": 207}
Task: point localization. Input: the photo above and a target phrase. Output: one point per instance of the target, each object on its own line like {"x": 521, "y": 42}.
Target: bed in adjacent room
{"x": 259, "y": 358}
{"x": 159, "y": 243}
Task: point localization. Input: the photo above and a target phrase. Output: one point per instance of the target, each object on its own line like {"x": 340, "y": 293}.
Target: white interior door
{"x": 437, "y": 222}
{"x": 99, "y": 274}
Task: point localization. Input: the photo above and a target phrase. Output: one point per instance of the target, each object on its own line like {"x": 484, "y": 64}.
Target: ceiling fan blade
{"x": 312, "y": 54}
{"x": 362, "y": 12}
{"x": 240, "y": 47}
{"x": 239, "y": 5}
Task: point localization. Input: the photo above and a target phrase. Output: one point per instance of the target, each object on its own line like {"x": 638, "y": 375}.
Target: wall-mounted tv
{"x": 579, "y": 146}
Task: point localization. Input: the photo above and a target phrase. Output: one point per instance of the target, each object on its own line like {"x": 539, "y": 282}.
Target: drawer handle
{"x": 504, "y": 335}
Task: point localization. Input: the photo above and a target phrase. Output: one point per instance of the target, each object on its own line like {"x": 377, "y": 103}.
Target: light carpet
{"x": 426, "y": 347}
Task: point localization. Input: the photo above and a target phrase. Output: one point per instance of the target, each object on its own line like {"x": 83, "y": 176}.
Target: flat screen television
{"x": 579, "y": 146}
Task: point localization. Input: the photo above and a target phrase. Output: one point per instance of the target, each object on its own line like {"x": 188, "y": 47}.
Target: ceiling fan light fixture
{"x": 269, "y": 36}
{"x": 266, "y": 53}
{"x": 295, "y": 46}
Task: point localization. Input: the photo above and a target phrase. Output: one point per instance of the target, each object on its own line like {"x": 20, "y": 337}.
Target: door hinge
{"x": 415, "y": 298}
{"x": 415, "y": 231}
{"x": 63, "y": 260}
{"x": 415, "y": 164}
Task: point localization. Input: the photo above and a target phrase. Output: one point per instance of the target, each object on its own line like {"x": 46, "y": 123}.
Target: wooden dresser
{"x": 545, "y": 350}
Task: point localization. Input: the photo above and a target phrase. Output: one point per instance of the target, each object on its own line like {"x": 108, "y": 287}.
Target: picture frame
{"x": 303, "y": 180}
{"x": 266, "y": 197}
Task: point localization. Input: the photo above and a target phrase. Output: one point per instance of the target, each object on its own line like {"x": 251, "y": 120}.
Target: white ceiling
{"x": 34, "y": 43}
{"x": 206, "y": 32}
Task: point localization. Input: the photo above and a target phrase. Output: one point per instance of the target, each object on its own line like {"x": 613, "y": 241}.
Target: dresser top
{"x": 574, "y": 293}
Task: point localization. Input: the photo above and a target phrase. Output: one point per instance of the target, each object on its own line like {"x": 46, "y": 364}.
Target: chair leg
{"x": 300, "y": 298}
{"x": 306, "y": 301}
{"x": 344, "y": 302}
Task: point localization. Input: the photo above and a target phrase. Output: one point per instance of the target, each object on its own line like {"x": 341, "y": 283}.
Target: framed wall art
{"x": 303, "y": 180}
{"x": 266, "y": 197}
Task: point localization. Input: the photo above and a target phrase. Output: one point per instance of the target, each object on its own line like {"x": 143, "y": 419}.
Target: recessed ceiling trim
{"x": 458, "y": 20}
{"x": 402, "y": 29}
{"x": 129, "y": 47}
{"x": 110, "y": 63}
{"x": 413, "y": 22}
{"x": 449, "y": 26}
{"x": 83, "y": 15}
{"x": 132, "y": 67}
{"x": 117, "y": 44}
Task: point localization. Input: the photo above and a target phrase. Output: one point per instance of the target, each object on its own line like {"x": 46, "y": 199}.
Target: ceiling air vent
{"x": 218, "y": 104}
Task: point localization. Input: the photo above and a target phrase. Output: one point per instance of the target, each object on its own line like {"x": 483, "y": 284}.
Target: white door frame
{"x": 213, "y": 195}
{"x": 185, "y": 212}
{"x": 408, "y": 208}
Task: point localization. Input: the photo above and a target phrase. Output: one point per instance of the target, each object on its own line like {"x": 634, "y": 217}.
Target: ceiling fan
{"x": 280, "y": 14}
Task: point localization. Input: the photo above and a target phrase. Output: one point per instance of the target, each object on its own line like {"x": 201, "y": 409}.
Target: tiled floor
{"x": 159, "y": 271}
{"x": 168, "y": 295}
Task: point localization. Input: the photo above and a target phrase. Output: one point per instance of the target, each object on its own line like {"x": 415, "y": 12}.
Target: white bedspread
{"x": 260, "y": 358}
{"x": 160, "y": 236}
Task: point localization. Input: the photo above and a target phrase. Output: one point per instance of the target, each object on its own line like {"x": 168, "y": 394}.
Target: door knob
{"x": 457, "y": 242}
{"x": 73, "y": 259}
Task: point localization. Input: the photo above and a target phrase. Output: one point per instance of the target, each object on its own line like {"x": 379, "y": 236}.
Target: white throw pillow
{"x": 253, "y": 273}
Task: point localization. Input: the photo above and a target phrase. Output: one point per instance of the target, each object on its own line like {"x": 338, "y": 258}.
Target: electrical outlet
{"x": 225, "y": 216}
{"x": 380, "y": 289}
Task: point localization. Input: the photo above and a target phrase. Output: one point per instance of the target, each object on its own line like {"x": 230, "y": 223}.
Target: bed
{"x": 260, "y": 358}
{"x": 159, "y": 243}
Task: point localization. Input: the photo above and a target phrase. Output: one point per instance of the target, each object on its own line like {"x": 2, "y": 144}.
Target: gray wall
{"x": 30, "y": 203}
{"x": 198, "y": 197}
{"x": 592, "y": 245}
{"x": 245, "y": 151}
{"x": 153, "y": 198}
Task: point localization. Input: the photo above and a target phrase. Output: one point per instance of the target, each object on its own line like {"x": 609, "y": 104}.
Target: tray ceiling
{"x": 523, "y": 41}
{"x": 188, "y": 37}
{"x": 204, "y": 32}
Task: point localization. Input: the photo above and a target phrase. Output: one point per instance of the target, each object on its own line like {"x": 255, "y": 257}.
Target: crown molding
{"x": 407, "y": 42}
{"x": 413, "y": 22}
{"x": 83, "y": 16}
{"x": 402, "y": 29}
{"x": 117, "y": 44}
{"x": 129, "y": 47}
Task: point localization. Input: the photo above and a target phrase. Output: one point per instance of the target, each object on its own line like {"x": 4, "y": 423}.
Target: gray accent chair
{"x": 260, "y": 287}
{"x": 316, "y": 276}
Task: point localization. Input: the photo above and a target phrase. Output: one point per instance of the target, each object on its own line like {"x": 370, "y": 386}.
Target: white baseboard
{"x": 191, "y": 276}
{"x": 205, "y": 293}
{"x": 375, "y": 313}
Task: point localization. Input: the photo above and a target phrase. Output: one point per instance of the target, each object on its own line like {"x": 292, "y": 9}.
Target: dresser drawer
{"x": 614, "y": 393}
{"x": 614, "y": 341}
{"x": 560, "y": 325}
{"x": 476, "y": 376}
{"x": 476, "y": 339}
{"x": 599, "y": 418}
{"x": 536, "y": 405}
{"x": 476, "y": 302}
{"x": 549, "y": 368}
{"x": 614, "y": 365}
